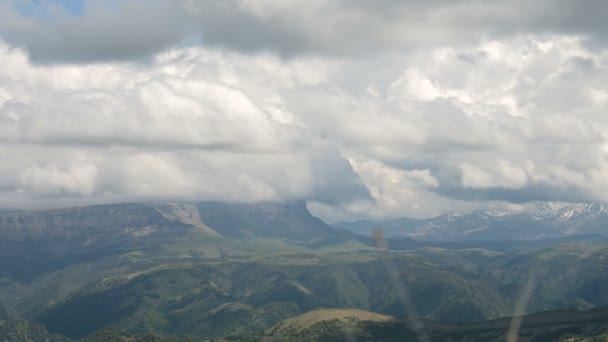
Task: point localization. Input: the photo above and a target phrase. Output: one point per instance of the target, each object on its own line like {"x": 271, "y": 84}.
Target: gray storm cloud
{"x": 463, "y": 105}
{"x": 137, "y": 28}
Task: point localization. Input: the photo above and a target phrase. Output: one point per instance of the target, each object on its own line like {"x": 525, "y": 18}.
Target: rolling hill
{"x": 350, "y": 325}
{"x": 209, "y": 269}
{"x": 335, "y": 325}
{"x": 211, "y": 299}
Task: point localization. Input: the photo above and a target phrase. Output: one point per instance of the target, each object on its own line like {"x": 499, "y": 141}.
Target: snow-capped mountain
{"x": 541, "y": 220}
{"x": 565, "y": 212}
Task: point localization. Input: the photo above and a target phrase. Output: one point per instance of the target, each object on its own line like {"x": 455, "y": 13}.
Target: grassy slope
{"x": 254, "y": 283}
{"x": 252, "y": 293}
{"x": 350, "y": 324}
{"x": 344, "y": 325}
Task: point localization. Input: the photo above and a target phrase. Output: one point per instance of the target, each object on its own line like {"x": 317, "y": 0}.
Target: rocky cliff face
{"x": 72, "y": 222}
{"x": 90, "y": 224}
{"x": 35, "y": 242}
{"x": 290, "y": 220}
{"x": 87, "y": 229}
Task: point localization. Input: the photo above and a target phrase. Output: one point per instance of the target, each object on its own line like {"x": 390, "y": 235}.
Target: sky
{"x": 366, "y": 109}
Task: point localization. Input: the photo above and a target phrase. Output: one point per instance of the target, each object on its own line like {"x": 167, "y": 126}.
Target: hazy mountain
{"x": 393, "y": 228}
{"x": 32, "y": 243}
{"x": 35, "y": 242}
{"x": 547, "y": 220}
{"x": 209, "y": 269}
{"x": 83, "y": 227}
{"x": 98, "y": 225}
{"x": 290, "y": 220}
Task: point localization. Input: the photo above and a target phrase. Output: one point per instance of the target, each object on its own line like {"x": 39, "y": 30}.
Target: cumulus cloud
{"x": 436, "y": 120}
{"x": 49, "y": 180}
{"x": 110, "y": 30}
{"x": 194, "y": 124}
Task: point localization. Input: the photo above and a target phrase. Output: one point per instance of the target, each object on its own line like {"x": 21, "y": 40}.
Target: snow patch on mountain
{"x": 535, "y": 221}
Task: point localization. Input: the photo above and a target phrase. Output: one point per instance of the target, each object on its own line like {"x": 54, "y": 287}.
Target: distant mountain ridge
{"x": 44, "y": 240}
{"x": 543, "y": 220}
{"x": 232, "y": 219}
{"x": 290, "y": 219}
{"x": 212, "y": 268}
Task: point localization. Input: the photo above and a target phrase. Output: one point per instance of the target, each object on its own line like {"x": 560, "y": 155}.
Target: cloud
{"x": 106, "y": 30}
{"x": 475, "y": 177}
{"x": 49, "y": 180}
{"x": 502, "y": 175}
{"x": 194, "y": 124}
{"x": 119, "y": 30}
{"x": 512, "y": 118}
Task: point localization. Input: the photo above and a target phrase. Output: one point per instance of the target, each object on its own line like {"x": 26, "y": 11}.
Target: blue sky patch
{"x": 40, "y": 8}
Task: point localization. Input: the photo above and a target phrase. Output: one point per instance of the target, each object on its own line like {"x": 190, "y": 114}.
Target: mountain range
{"x": 546, "y": 220}
{"x": 212, "y": 269}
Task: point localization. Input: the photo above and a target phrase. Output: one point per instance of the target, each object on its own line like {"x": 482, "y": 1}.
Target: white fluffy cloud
{"x": 194, "y": 124}
{"x": 441, "y": 127}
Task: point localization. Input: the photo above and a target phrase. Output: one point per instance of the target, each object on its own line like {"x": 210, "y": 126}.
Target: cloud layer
{"x": 464, "y": 112}
{"x": 119, "y": 30}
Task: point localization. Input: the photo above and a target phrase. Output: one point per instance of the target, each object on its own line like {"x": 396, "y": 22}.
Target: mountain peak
{"x": 288, "y": 219}
{"x": 537, "y": 221}
{"x": 565, "y": 211}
